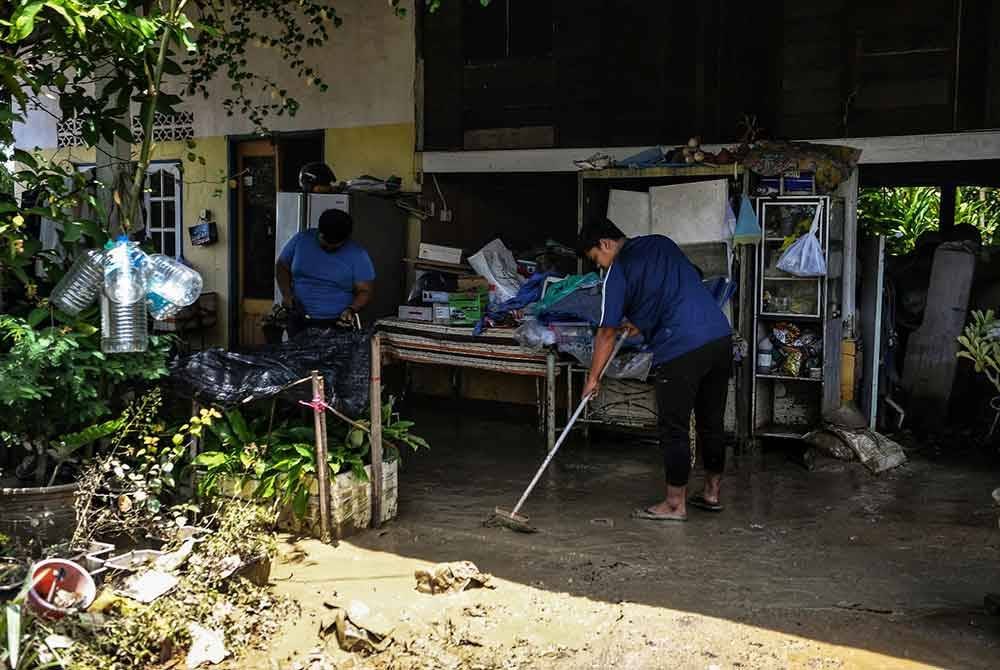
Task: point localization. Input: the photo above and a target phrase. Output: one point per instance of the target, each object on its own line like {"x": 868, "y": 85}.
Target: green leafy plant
{"x": 903, "y": 214}
{"x": 282, "y": 462}
{"x": 55, "y": 381}
{"x": 980, "y": 343}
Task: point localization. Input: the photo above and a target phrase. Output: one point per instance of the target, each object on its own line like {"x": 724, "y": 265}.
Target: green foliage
{"x": 55, "y": 379}
{"x": 129, "y": 487}
{"x": 901, "y": 214}
{"x": 904, "y": 214}
{"x": 283, "y": 462}
{"x": 980, "y": 343}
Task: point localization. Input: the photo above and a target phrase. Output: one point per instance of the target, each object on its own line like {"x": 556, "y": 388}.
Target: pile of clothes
{"x": 552, "y": 310}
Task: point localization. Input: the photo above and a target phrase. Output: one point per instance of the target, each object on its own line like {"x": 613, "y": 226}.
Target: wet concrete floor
{"x": 895, "y": 565}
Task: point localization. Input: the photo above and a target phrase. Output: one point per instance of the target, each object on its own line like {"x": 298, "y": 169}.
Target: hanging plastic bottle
{"x": 124, "y": 328}
{"x": 125, "y": 270}
{"x": 173, "y": 281}
{"x": 78, "y": 288}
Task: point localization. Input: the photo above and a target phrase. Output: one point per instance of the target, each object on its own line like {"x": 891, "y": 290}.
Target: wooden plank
{"x": 322, "y": 470}
{"x": 457, "y": 268}
{"x": 531, "y": 137}
{"x": 376, "y": 429}
{"x": 638, "y": 173}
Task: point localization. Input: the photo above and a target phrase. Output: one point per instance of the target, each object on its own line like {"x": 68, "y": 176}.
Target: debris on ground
{"x": 875, "y": 451}
{"x": 452, "y": 578}
{"x": 207, "y": 646}
{"x": 145, "y": 587}
{"x": 358, "y": 630}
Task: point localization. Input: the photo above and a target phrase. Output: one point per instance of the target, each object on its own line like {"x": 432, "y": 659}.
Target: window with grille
{"x": 163, "y": 208}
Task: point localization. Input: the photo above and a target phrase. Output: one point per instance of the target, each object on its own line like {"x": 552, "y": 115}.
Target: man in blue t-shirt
{"x": 651, "y": 287}
{"x": 325, "y": 277}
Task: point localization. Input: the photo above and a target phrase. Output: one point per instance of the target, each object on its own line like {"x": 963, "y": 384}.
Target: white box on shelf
{"x": 439, "y": 253}
{"x": 412, "y": 313}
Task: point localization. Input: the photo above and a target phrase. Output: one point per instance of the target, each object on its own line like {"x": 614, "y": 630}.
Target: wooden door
{"x": 257, "y": 199}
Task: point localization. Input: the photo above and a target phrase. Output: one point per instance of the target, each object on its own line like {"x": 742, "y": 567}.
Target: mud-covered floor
{"x": 833, "y": 568}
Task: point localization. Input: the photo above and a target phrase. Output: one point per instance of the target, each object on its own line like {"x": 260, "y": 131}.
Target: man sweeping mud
{"x": 651, "y": 287}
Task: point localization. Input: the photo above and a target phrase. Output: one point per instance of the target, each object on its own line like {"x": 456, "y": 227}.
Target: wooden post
{"x": 550, "y": 399}
{"x": 322, "y": 468}
{"x": 376, "y": 430}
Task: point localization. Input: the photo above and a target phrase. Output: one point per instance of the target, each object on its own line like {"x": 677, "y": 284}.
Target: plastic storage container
{"x": 123, "y": 327}
{"x": 79, "y": 287}
{"x": 125, "y": 273}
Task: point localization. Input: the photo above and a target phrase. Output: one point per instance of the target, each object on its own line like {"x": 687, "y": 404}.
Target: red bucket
{"x": 50, "y": 576}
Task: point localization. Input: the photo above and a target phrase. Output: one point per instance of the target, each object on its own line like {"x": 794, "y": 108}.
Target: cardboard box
{"x": 434, "y": 296}
{"x": 467, "y": 308}
{"x": 411, "y": 313}
{"x": 476, "y": 284}
{"x": 439, "y": 254}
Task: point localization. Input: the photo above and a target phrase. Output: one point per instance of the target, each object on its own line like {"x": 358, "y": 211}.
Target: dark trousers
{"x": 698, "y": 380}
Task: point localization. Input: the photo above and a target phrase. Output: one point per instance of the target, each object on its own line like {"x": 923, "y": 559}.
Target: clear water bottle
{"x": 125, "y": 272}
{"x": 79, "y": 287}
{"x": 170, "y": 281}
{"x": 123, "y": 327}
{"x": 160, "y": 308}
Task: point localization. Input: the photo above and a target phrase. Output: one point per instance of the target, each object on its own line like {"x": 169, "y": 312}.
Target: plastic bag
{"x": 626, "y": 365}
{"x": 228, "y": 378}
{"x": 805, "y": 257}
{"x": 496, "y": 264}
{"x": 747, "y": 229}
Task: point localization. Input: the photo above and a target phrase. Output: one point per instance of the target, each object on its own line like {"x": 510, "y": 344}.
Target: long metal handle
{"x": 569, "y": 426}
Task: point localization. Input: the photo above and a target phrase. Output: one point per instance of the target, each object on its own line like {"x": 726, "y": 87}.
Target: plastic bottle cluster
{"x": 131, "y": 285}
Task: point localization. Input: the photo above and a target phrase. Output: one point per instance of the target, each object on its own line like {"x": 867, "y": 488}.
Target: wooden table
{"x": 455, "y": 346}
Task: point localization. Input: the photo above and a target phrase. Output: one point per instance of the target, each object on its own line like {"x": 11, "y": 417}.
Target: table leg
{"x": 539, "y": 406}
{"x": 550, "y": 400}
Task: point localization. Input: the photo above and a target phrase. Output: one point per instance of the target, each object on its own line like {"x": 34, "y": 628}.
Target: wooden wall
{"x": 633, "y": 72}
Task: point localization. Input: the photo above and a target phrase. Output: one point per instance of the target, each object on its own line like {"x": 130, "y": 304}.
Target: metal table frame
{"x": 455, "y": 346}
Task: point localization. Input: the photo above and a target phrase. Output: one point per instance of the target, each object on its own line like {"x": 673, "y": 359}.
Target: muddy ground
{"x": 833, "y": 568}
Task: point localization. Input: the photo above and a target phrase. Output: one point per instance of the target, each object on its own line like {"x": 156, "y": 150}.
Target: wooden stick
{"x": 376, "y": 430}
{"x": 322, "y": 469}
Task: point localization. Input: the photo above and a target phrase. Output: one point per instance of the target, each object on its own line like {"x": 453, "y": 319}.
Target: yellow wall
{"x": 205, "y": 187}
{"x": 381, "y": 151}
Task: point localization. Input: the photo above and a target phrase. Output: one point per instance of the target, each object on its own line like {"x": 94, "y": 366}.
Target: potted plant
{"x": 244, "y": 460}
{"x": 58, "y": 393}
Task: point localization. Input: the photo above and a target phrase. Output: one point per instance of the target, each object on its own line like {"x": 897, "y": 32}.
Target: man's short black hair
{"x": 595, "y": 231}
{"x": 335, "y": 226}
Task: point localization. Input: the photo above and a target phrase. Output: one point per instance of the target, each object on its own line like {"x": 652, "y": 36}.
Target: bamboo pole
{"x": 322, "y": 469}
{"x": 376, "y": 430}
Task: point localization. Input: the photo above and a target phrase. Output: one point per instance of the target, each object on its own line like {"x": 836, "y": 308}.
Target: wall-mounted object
{"x": 203, "y": 234}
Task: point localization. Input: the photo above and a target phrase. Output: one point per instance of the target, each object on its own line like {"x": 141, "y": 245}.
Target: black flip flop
{"x": 699, "y": 501}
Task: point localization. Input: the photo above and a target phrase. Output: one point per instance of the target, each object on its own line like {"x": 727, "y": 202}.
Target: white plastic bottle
{"x": 765, "y": 355}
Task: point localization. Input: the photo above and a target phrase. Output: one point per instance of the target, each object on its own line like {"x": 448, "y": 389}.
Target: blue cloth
{"x": 654, "y": 285}
{"x": 323, "y": 281}
{"x": 530, "y": 291}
